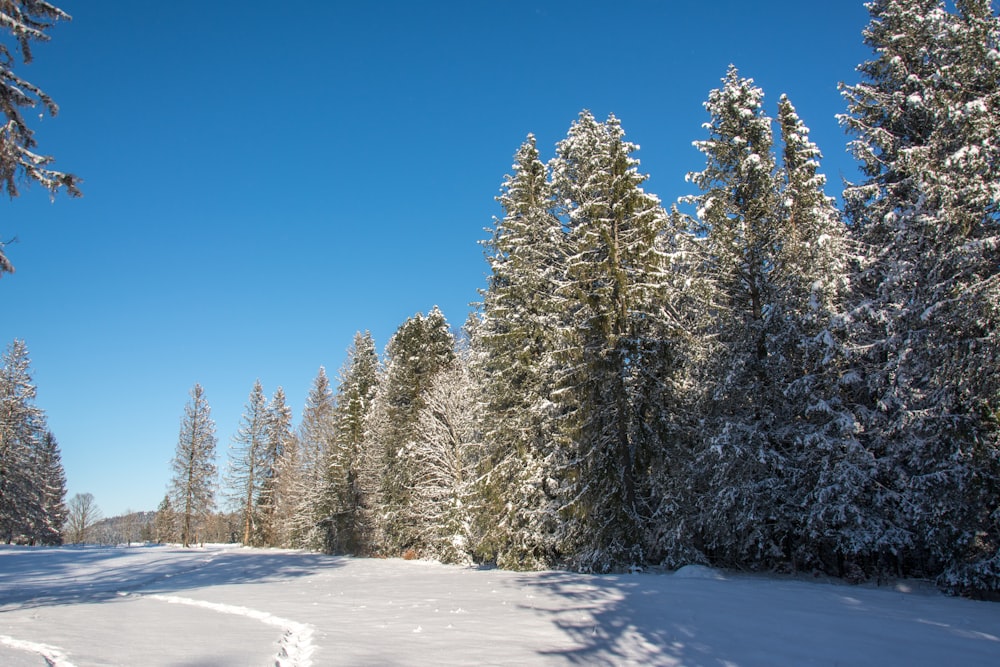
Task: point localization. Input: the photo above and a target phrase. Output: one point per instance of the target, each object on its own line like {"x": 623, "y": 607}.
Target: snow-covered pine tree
{"x": 514, "y": 343}
{"x": 192, "y": 487}
{"x": 165, "y": 522}
{"x": 420, "y": 348}
{"x": 311, "y": 498}
{"x": 612, "y": 294}
{"x": 246, "y": 473}
{"x": 774, "y": 253}
{"x": 349, "y": 530}
{"x": 815, "y": 421}
{"x": 444, "y": 455}
{"x": 272, "y": 506}
{"x": 925, "y": 121}
{"x": 50, "y": 482}
{"x": 22, "y": 423}
{"x": 27, "y": 21}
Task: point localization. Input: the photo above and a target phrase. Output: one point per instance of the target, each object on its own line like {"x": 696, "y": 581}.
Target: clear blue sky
{"x": 261, "y": 180}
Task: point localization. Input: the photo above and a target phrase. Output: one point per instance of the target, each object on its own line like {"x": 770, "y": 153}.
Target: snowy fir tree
{"x": 925, "y": 124}
{"x": 192, "y": 487}
{"x": 165, "y": 523}
{"x": 349, "y": 529}
{"x": 26, "y": 21}
{"x": 514, "y": 343}
{"x": 248, "y": 463}
{"x": 421, "y": 348}
{"x": 310, "y": 495}
{"x": 32, "y": 481}
{"x": 46, "y": 527}
{"x": 816, "y": 419}
{"x": 610, "y": 340}
{"x": 272, "y": 509}
{"x": 775, "y": 424}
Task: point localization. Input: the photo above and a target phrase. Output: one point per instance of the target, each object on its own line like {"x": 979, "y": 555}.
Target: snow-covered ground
{"x": 231, "y": 606}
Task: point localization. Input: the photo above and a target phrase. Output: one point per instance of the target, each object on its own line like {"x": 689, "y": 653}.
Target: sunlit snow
{"x": 225, "y": 605}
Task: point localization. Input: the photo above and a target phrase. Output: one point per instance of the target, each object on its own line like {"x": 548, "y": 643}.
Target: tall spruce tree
{"x": 925, "y": 124}
{"x": 778, "y": 435}
{"x": 514, "y": 346}
{"x": 349, "y": 530}
{"x": 192, "y": 488}
{"x": 23, "y": 431}
{"x": 312, "y": 499}
{"x": 271, "y": 503}
{"x": 421, "y": 348}
{"x": 50, "y": 482}
{"x": 247, "y": 472}
{"x": 613, "y": 293}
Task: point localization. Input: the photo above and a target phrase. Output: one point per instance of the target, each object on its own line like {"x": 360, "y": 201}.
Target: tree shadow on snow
{"x": 46, "y": 576}
{"x": 663, "y": 619}
{"x": 618, "y": 619}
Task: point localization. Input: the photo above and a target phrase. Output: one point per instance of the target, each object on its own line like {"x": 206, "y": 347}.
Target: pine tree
{"x": 778, "y": 434}
{"x": 514, "y": 344}
{"x": 22, "y": 424}
{"x": 349, "y": 529}
{"x": 248, "y": 462}
{"x": 271, "y": 505}
{"x": 192, "y": 488}
{"x": 924, "y": 118}
{"x": 815, "y": 419}
{"x": 165, "y": 523}
{"x": 50, "y": 483}
{"x": 420, "y": 348}
{"x": 27, "y": 21}
{"x": 613, "y": 293}
{"x": 312, "y": 500}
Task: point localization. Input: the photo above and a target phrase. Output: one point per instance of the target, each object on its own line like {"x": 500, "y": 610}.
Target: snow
{"x": 225, "y": 605}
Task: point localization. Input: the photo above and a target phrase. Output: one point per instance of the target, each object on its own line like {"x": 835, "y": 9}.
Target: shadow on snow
{"x": 45, "y": 576}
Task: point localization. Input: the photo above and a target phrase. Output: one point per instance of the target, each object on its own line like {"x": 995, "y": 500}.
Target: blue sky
{"x": 262, "y": 182}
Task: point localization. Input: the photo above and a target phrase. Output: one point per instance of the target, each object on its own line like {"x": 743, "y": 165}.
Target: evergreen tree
{"x": 420, "y": 348}
{"x": 613, "y": 295}
{"x": 349, "y": 529}
{"x": 27, "y": 21}
{"x": 22, "y": 423}
{"x": 514, "y": 344}
{"x": 50, "y": 481}
{"x": 248, "y": 462}
{"x": 924, "y": 118}
{"x": 312, "y": 498}
{"x": 816, "y": 422}
{"x": 778, "y": 435}
{"x": 165, "y": 522}
{"x": 192, "y": 488}
{"x": 270, "y": 502}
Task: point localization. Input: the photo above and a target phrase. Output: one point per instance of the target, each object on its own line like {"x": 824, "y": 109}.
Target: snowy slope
{"x": 233, "y": 606}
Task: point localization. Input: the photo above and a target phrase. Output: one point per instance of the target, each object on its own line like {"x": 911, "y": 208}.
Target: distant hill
{"x": 124, "y": 529}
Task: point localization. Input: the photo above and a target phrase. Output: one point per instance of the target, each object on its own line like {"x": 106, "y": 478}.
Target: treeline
{"x": 767, "y": 383}
{"x": 32, "y": 479}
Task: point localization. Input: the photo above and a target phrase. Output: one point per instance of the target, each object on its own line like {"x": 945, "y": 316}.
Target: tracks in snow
{"x": 295, "y": 645}
{"x": 52, "y": 655}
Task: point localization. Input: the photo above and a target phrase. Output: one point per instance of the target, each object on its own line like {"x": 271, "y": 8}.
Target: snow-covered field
{"x": 223, "y": 605}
